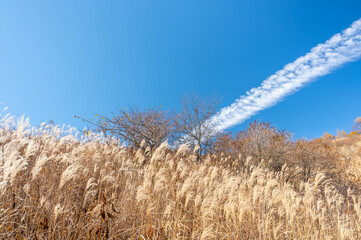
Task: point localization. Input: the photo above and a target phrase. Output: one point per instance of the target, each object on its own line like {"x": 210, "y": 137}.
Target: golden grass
{"x": 56, "y": 187}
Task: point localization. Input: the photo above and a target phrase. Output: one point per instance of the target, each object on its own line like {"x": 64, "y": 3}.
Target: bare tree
{"x": 357, "y": 125}
{"x": 133, "y": 126}
{"x": 193, "y": 122}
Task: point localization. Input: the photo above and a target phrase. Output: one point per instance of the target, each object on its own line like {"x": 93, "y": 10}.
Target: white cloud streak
{"x": 340, "y": 49}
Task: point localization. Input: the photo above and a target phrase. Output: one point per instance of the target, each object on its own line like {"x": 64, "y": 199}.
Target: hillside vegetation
{"x": 55, "y": 186}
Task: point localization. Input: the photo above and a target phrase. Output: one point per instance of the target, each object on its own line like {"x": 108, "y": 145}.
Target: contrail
{"x": 340, "y": 49}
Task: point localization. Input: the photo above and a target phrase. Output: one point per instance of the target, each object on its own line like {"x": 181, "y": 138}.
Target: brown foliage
{"x": 60, "y": 188}
{"x": 92, "y": 190}
{"x": 260, "y": 141}
{"x": 312, "y": 157}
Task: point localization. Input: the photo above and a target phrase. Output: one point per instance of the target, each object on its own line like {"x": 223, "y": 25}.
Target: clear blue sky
{"x": 60, "y": 58}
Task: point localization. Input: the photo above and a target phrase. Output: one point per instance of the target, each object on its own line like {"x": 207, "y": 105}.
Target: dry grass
{"x": 56, "y": 187}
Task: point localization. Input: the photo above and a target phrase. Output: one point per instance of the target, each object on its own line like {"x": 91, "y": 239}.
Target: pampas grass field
{"x": 56, "y": 185}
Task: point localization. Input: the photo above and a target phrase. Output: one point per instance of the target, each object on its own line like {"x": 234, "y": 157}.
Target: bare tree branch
{"x": 193, "y": 121}
{"x": 132, "y": 126}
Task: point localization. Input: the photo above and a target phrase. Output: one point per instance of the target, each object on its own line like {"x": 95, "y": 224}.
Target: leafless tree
{"x": 193, "y": 121}
{"x": 357, "y": 125}
{"x": 132, "y": 126}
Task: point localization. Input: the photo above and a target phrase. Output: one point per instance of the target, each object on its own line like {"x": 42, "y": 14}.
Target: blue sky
{"x": 64, "y": 58}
